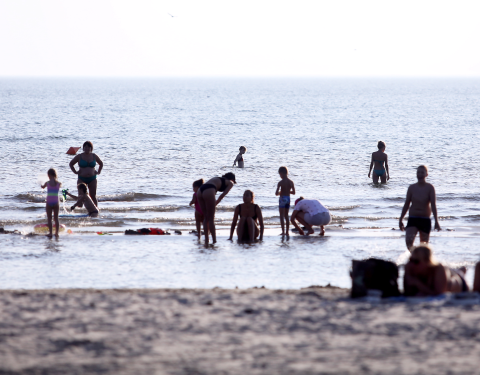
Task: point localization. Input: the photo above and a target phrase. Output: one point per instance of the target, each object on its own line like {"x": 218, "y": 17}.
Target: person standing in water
{"x": 198, "y": 211}
{"x": 53, "y": 186}
{"x": 239, "y": 157}
{"x": 421, "y": 196}
{"x": 284, "y": 188}
{"x": 206, "y": 199}
{"x": 87, "y": 174}
{"x": 377, "y": 163}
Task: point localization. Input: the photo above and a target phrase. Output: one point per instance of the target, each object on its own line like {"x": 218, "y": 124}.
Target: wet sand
{"x": 255, "y": 331}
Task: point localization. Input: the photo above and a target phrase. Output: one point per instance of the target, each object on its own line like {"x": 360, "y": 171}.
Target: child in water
{"x": 239, "y": 157}
{"x": 84, "y": 199}
{"x": 284, "y": 188}
{"x": 53, "y": 186}
{"x": 198, "y": 211}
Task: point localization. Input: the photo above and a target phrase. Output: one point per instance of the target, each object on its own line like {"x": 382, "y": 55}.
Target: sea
{"x": 156, "y": 136}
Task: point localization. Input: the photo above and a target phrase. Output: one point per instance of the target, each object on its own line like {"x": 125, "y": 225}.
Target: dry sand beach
{"x": 317, "y": 330}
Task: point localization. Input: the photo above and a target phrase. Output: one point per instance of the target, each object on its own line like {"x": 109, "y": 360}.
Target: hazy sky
{"x": 239, "y": 38}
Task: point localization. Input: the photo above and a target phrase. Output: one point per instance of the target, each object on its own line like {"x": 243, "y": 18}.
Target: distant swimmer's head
{"x": 381, "y": 145}
{"x": 230, "y": 176}
{"x": 82, "y": 188}
{"x": 52, "y": 173}
{"x": 242, "y": 149}
{"x": 422, "y": 255}
{"x": 283, "y": 171}
{"x": 248, "y": 196}
{"x": 422, "y": 172}
{"x": 87, "y": 147}
{"x": 196, "y": 184}
{"x": 298, "y": 200}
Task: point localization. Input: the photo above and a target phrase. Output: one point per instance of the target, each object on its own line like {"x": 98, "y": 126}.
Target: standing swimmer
{"x": 53, "y": 186}
{"x": 378, "y": 158}
{"x": 239, "y": 157}
{"x": 284, "y": 189}
{"x": 198, "y": 211}
{"x": 206, "y": 198}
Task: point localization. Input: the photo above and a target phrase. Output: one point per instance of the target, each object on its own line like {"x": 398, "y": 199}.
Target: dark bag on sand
{"x": 374, "y": 274}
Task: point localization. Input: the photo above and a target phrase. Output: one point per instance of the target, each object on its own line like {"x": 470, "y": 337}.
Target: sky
{"x": 261, "y": 38}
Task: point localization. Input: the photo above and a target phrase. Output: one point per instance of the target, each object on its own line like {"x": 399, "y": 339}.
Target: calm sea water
{"x": 157, "y": 136}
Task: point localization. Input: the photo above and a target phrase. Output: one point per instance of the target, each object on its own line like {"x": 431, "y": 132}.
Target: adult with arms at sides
{"x": 250, "y": 219}
{"x": 378, "y": 159}
{"x": 426, "y": 277}
{"x": 310, "y": 212}
{"x": 206, "y": 198}
{"x": 422, "y": 201}
{"x": 87, "y": 174}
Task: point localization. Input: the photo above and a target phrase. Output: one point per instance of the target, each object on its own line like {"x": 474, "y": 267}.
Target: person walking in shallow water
{"x": 239, "y": 157}
{"x": 422, "y": 201}
{"x": 379, "y": 158}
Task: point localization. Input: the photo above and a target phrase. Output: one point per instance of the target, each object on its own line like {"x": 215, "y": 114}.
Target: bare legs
{"x": 207, "y": 202}
{"x": 411, "y": 233}
{"x": 283, "y": 217}
{"x": 301, "y": 219}
{"x": 53, "y": 209}
{"x": 383, "y": 178}
{"x": 92, "y": 190}
{"x": 198, "y": 221}
{"x": 248, "y": 224}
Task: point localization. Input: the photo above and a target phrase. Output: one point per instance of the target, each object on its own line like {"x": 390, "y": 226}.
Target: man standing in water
{"x": 423, "y": 202}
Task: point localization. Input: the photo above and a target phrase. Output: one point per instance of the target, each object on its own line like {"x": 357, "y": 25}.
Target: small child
{"x": 198, "y": 211}
{"x": 284, "y": 188}
{"x": 239, "y": 157}
{"x": 53, "y": 186}
{"x": 84, "y": 199}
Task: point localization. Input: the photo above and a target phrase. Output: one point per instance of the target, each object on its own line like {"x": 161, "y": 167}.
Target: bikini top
{"x": 224, "y": 184}
{"x": 253, "y": 217}
{"x": 85, "y": 164}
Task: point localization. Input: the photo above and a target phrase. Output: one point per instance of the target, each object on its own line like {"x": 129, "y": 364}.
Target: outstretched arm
{"x": 193, "y": 200}
{"x": 294, "y": 222}
{"x": 78, "y": 202}
{"x": 292, "y": 189}
{"x": 433, "y": 204}
{"x": 234, "y": 222}
{"x": 230, "y": 185}
{"x": 239, "y": 156}
{"x": 73, "y": 162}
{"x": 260, "y": 221}
{"x": 100, "y": 164}
{"x": 277, "y": 192}
{"x": 371, "y": 166}
{"x": 405, "y": 208}
{"x": 386, "y": 167}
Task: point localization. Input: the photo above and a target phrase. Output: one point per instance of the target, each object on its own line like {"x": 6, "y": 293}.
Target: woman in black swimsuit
{"x": 206, "y": 199}
{"x": 250, "y": 217}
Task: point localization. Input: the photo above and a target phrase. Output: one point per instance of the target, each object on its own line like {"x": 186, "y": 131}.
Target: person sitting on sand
{"x": 84, "y": 199}
{"x": 239, "y": 157}
{"x": 206, "y": 199}
{"x": 379, "y": 170}
{"x": 423, "y": 202}
{"x": 310, "y": 212}
{"x": 250, "y": 218}
{"x": 425, "y": 277}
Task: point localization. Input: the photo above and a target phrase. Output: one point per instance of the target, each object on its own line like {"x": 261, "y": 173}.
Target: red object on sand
{"x": 73, "y": 150}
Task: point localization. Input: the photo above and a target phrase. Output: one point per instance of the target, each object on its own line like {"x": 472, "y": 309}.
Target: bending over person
{"x": 425, "y": 277}
{"x": 84, "y": 199}
{"x": 379, "y": 170}
{"x": 250, "y": 219}
{"x": 310, "y": 212}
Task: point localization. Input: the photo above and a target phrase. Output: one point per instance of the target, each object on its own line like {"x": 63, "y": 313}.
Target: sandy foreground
{"x": 255, "y": 331}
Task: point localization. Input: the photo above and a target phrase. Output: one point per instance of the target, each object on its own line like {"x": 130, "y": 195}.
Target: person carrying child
{"x": 53, "y": 186}
{"x": 239, "y": 157}
{"x": 84, "y": 199}
{"x": 198, "y": 210}
{"x": 285, "y": 188}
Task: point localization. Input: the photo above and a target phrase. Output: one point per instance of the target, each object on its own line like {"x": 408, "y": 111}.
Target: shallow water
{"x": 157, "y": 136}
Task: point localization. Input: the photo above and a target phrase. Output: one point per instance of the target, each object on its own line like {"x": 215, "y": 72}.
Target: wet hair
{"x": 424, "y": 167}
{"x": 381, "y": 144}
{"x": 52, "y": 172}
{"x": 423, "y": 252}
{"x": 198, "y": 183}
{"x": 240, "y": 149}
{"x": 230, "y": 176}
{"x": 252, "y": 194}
{"x": 88, "y": 143}
{"x": 283, "y": 170}
{"x": 82, "y": 187}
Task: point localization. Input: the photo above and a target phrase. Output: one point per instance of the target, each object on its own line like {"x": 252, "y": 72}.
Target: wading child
{"x": 84, "y": 199}
{"x": 53, "y": 186}
{"x": 239, "y": 157}
{"x": 198, "y": 211}
{"x": 421, "y": 197}
{"x": 284, "y": 188}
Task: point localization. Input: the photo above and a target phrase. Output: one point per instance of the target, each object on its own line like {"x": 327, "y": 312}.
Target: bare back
{"x": 285, "y": 186}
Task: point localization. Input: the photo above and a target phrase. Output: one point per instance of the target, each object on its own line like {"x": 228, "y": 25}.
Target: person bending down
{"x": 421, "y": 197}
{"x": 250, "y": 219}
{"x": 84, "y": 199}
{"x": 310, "y": 212}
{"x": 425, "y": 277}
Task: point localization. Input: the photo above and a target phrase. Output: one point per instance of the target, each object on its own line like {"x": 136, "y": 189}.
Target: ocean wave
{"x": 121, "y": 197}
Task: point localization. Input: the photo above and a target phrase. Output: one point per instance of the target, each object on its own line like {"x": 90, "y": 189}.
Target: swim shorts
{"x": 423, "y": 224}
{"x": 284, "y": 201}
{"x": 322, "y": 218}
